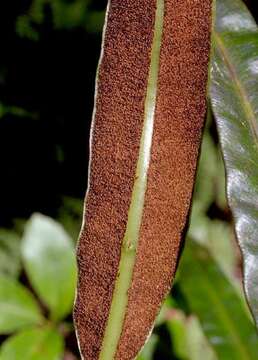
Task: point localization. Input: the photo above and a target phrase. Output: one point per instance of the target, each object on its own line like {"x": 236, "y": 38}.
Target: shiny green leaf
{"x": 216, "y": 302}
{"x": 49, "y": 261}
{"x": 34, "y": 344}
{"x": 234, "y": 97}
{"x": 221, "y": 199}
{"x": 18, "y": 308}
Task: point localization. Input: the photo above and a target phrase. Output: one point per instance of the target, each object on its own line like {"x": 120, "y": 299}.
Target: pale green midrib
{"x": 241, "y": 91}
{"x": 129, "y": 245}
{"x": 225, "y": 318}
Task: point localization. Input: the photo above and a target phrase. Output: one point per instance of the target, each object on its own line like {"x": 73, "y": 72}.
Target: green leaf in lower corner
{"x": 234, "y": 98}
{"x": 34, "y": 344}
{"x": 49, "y": 260}
{"x": 217, "y": 304}
{"x": 18, "y": 308}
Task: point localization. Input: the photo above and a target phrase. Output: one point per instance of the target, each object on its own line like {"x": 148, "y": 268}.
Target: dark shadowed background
{"x": 49, "y": 54}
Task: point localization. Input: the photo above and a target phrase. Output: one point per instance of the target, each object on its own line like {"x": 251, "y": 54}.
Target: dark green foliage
{"x": 49, "y": 261}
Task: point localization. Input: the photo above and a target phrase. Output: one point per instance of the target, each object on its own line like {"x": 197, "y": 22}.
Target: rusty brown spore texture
{"x": 118, "y": 122}
{"x": 180, "y": 114}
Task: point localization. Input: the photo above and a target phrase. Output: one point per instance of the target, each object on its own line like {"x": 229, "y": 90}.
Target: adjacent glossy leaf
{"x": 34, "y": 344}
{"x": 10, "y": 262}
{"x": 217, "y": 304}
{"x": 18, "y": 308}
{"x": 234, "y": 97}
{"x": 221, "y": 198}
{"x": 49, "y": 261}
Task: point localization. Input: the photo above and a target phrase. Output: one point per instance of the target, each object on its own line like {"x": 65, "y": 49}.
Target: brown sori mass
{"x": 118, "y": 121}
{"x": 180, "y": 114}
{"x": 179, "y": 117}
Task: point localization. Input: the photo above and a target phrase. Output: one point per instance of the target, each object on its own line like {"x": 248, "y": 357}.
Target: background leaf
{"x": 217, "y": 236}
{"x": 149, "y": 348}
{"x": 234, "y": 97}
{"x": 34, "y": 344}
{"x": 217, "y": 304}
{"x": 49, "y": 261}
{"x": 207, "y": 170}
{"x": 197, "y": 343}
{"x": 188, "y": 339}
{"x": 18, "y": 307}
{"x": 10, "y": 263}
{"x": 70, "y": 216}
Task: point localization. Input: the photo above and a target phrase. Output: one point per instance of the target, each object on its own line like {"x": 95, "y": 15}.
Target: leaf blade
{"x": 49, "y": 261}
{"x": 217, "y": 304}
{"x": 18, "y": 308}
{"x": 122, "y": 91}
{"x": 33, "y": 344}
{"x": 9, "y": 253}
{"x": 234, "y": 91}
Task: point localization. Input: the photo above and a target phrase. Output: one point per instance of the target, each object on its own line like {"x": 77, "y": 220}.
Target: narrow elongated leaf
{"x": 147, "y": 126}
{"x": 18, "y": 308}
{"x": 234, "y": 96}
{"x": 217, "y": 304}
{"x": 49, "y": 261}
{"x": 34, "y": 344}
